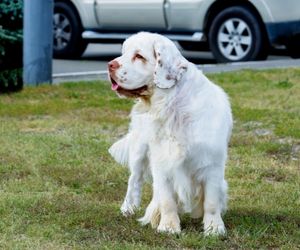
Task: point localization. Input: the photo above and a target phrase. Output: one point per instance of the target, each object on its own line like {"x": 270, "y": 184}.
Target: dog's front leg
{"x": 162, "y": 210}
{"x": 169, "y": 220}
{"x": 215, "y": 189}
{"x": 162, "y": 163}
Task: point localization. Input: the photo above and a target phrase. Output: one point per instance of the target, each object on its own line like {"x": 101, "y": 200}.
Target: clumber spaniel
{"x": 179, "y": 133}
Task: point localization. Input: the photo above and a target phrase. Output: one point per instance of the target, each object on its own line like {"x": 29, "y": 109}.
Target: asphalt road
{"x": 95, "y": 58}
{"x": 94, "y": 63}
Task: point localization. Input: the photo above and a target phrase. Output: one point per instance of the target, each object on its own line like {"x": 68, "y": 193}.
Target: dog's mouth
{"x": 114, "y": 84}
{"x": 138, "y": 92}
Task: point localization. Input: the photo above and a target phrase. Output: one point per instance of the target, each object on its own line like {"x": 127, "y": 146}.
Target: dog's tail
{"x": 120, "y": 151}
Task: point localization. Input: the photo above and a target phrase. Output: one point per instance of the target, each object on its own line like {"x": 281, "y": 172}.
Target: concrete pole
{"x": 38, "y": 41}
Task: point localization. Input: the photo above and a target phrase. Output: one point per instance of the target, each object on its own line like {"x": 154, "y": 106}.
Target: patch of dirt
{"x": 295, "y": 152}
{"x": 253, "y": 124}
{"x": 263, "y": 132}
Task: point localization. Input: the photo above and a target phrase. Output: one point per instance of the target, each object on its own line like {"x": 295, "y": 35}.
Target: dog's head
{"x": 148, "y": 61}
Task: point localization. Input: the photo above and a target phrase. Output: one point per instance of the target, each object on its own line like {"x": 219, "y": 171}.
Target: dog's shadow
{"x": 254, "y": 222}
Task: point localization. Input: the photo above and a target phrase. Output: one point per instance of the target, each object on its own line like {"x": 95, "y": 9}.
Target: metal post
{"x": 38, "y": 41}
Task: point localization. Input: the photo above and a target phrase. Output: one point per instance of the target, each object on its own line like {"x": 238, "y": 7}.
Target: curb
{"x": 206, "y": 68}
{"x": 255, "y": 65}
{"x": 80, "y": 76}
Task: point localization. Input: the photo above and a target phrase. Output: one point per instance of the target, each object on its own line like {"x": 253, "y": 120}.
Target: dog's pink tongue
{"x": 114, "y": 86}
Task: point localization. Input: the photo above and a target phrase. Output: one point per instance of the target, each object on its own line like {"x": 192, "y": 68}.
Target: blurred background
{"x": 207, "y": 31}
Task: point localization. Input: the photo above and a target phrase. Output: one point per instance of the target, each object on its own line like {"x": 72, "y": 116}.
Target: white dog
{"x": 179, "y": 132}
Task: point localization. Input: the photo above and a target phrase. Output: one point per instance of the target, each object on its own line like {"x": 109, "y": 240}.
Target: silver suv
{"x": 234, "y": 30}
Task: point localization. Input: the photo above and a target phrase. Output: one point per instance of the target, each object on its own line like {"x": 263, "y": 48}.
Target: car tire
{"x": 67, "y": 30}
{"x": 236, "y": 35}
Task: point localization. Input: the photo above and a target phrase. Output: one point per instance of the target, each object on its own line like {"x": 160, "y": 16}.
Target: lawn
{"x": 60, "y": 189}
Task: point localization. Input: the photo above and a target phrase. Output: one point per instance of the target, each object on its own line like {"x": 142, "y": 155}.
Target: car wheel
{"x": 67, "y": 30}
{"x": 236, "y": 35}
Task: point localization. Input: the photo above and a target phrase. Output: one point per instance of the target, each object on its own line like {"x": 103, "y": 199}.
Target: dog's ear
{"x": 170, "y": 64}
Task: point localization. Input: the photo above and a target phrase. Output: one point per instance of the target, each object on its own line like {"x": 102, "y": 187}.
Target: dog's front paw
{"x": 128, "y": 209}
{"x": 151, "y": 217}
{"x": 215, "y": 230}
{"x": 169, "y": 224}
{"x": 214, "y": 226}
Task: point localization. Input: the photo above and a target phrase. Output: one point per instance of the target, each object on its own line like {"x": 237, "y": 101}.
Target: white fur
{"x": 180, "y": 132}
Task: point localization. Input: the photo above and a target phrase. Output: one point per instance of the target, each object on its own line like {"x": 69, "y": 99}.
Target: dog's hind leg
{"x": 138, "y": 163}
{"x": 134, "y": 155}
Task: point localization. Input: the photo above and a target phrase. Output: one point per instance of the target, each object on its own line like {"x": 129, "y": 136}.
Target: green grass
{"x": 59, "y": 188}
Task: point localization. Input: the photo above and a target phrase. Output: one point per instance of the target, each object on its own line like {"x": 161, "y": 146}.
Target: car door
{"x": 130, "y": 14}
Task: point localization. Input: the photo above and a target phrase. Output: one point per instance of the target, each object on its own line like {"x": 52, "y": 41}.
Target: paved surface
{"x": 93, "y": 63}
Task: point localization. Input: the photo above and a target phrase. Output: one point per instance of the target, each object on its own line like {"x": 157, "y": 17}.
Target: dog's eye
{"x": 140, "y": 57}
